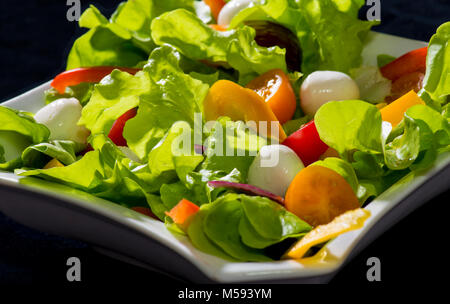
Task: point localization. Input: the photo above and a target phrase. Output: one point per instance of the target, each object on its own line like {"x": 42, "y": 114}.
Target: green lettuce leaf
{"x": 113, "y": 96}
{"x": 379, "y": 155}
{"x": 384, "y": 59}
{"x": 82, "y": 92}
{"x": 200, "y": 240}
{"x": 342, "y": 167}
{"x": 173, "y": 96}
{"x": 266, "y": 223}
{"x": 36, "y": 156}
{"x": 196, "y": 40}
{"x": 107, "y": 173}
{"x": 330, "y": 34}
{"x": 105, "y": 45}
{"x": 221, "y": 226}
{"x": 18, "y": 130}
{"x": 436, "y": 83}
{"x": 350, "y": 125}
{"x": 125, "y": 39}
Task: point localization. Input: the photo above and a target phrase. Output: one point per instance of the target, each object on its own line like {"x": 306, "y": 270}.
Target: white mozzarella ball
{"x": 231, "y": 9}
{"x": 274, "y": 168}
{"x": 61, "y": 118}
{"x": 323, "y": 86}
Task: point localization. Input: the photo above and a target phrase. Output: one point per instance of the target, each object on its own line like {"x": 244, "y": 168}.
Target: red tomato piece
{"x": 145, "y": 211}
{"x": 79, "y": 75}
{"x": 306, "y": 143}
{"x": 413, "y": 61}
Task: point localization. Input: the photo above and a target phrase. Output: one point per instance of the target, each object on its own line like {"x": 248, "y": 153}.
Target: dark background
{"x": 35, "y": 38}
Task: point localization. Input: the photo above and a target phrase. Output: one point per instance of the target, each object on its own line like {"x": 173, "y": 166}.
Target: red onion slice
{"x": 249, "y": 189}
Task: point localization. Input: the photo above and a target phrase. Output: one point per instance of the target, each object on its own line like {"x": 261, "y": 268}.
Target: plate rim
{"x": 221, "y": 275}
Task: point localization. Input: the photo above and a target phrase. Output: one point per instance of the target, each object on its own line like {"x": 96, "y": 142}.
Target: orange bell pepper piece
{"x": 182, "y": 212}
{"x": 53, "y": 164}
{"x": 393, "y": 112}
{"x": 351, "y": 220}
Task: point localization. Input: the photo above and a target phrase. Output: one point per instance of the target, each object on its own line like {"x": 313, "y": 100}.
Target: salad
{"x": 249, "y": 126}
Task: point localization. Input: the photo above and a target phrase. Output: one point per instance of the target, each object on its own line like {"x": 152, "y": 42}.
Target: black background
{"x": 35, "y": 38}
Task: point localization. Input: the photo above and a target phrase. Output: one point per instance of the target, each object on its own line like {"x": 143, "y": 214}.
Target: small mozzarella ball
{"x": 274, "y": 168}
{"x": 323, "y": 86}
{"x": 231, "y": 9}
{"x": 61, "y": 118}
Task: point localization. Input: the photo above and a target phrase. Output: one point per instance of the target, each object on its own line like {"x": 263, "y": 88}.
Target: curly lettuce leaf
{"x": 330, "y": 34}
{"x": 436, "y": 83}
{"x": 18, "y": 130}
{"x": 36, "y": 156}
{"x": 82, "y": 92}
{"x": 173, "y": 96}
{"x": 107, "y": 173}
{"x": 124, "y": 39}
{"x": 236, "y": 48}
{"x": 113, "y": 96}
{"x": 379, "y": 155}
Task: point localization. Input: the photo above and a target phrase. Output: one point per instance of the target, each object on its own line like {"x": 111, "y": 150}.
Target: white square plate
{"x": 137, "y": 238}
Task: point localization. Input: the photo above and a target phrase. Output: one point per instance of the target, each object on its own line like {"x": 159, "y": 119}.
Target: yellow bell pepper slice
{"x": 350, "y": 220}
{"x": 226, "y": 98}
{"x": 53, "y": 164}
{"x": 381, "y": 105}
{"x": 393, "y": 112}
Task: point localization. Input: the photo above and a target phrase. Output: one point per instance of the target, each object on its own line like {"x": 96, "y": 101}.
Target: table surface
{"x": 35, "y": 38}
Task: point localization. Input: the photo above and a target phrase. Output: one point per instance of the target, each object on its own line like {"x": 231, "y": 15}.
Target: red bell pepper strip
{"x": 182, "y": 211}
{"x": 414, "y": 61}
{"x": 306, "y": 143}
{"x": 116, "y": 132}
{"x": 79, "y": 75}
{"x": 145, "y": 211}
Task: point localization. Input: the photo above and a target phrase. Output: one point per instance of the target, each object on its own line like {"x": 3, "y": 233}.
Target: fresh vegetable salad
{"x": 250, "y": 127}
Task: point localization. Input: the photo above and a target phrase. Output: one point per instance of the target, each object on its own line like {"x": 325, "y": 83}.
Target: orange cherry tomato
{"x": 226, "y": 98}
{"x": 218, "y": 27}
{"x": 275, "y": 88}
{"x": 318, "y": 194}
{"x": 215, "y": 6}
